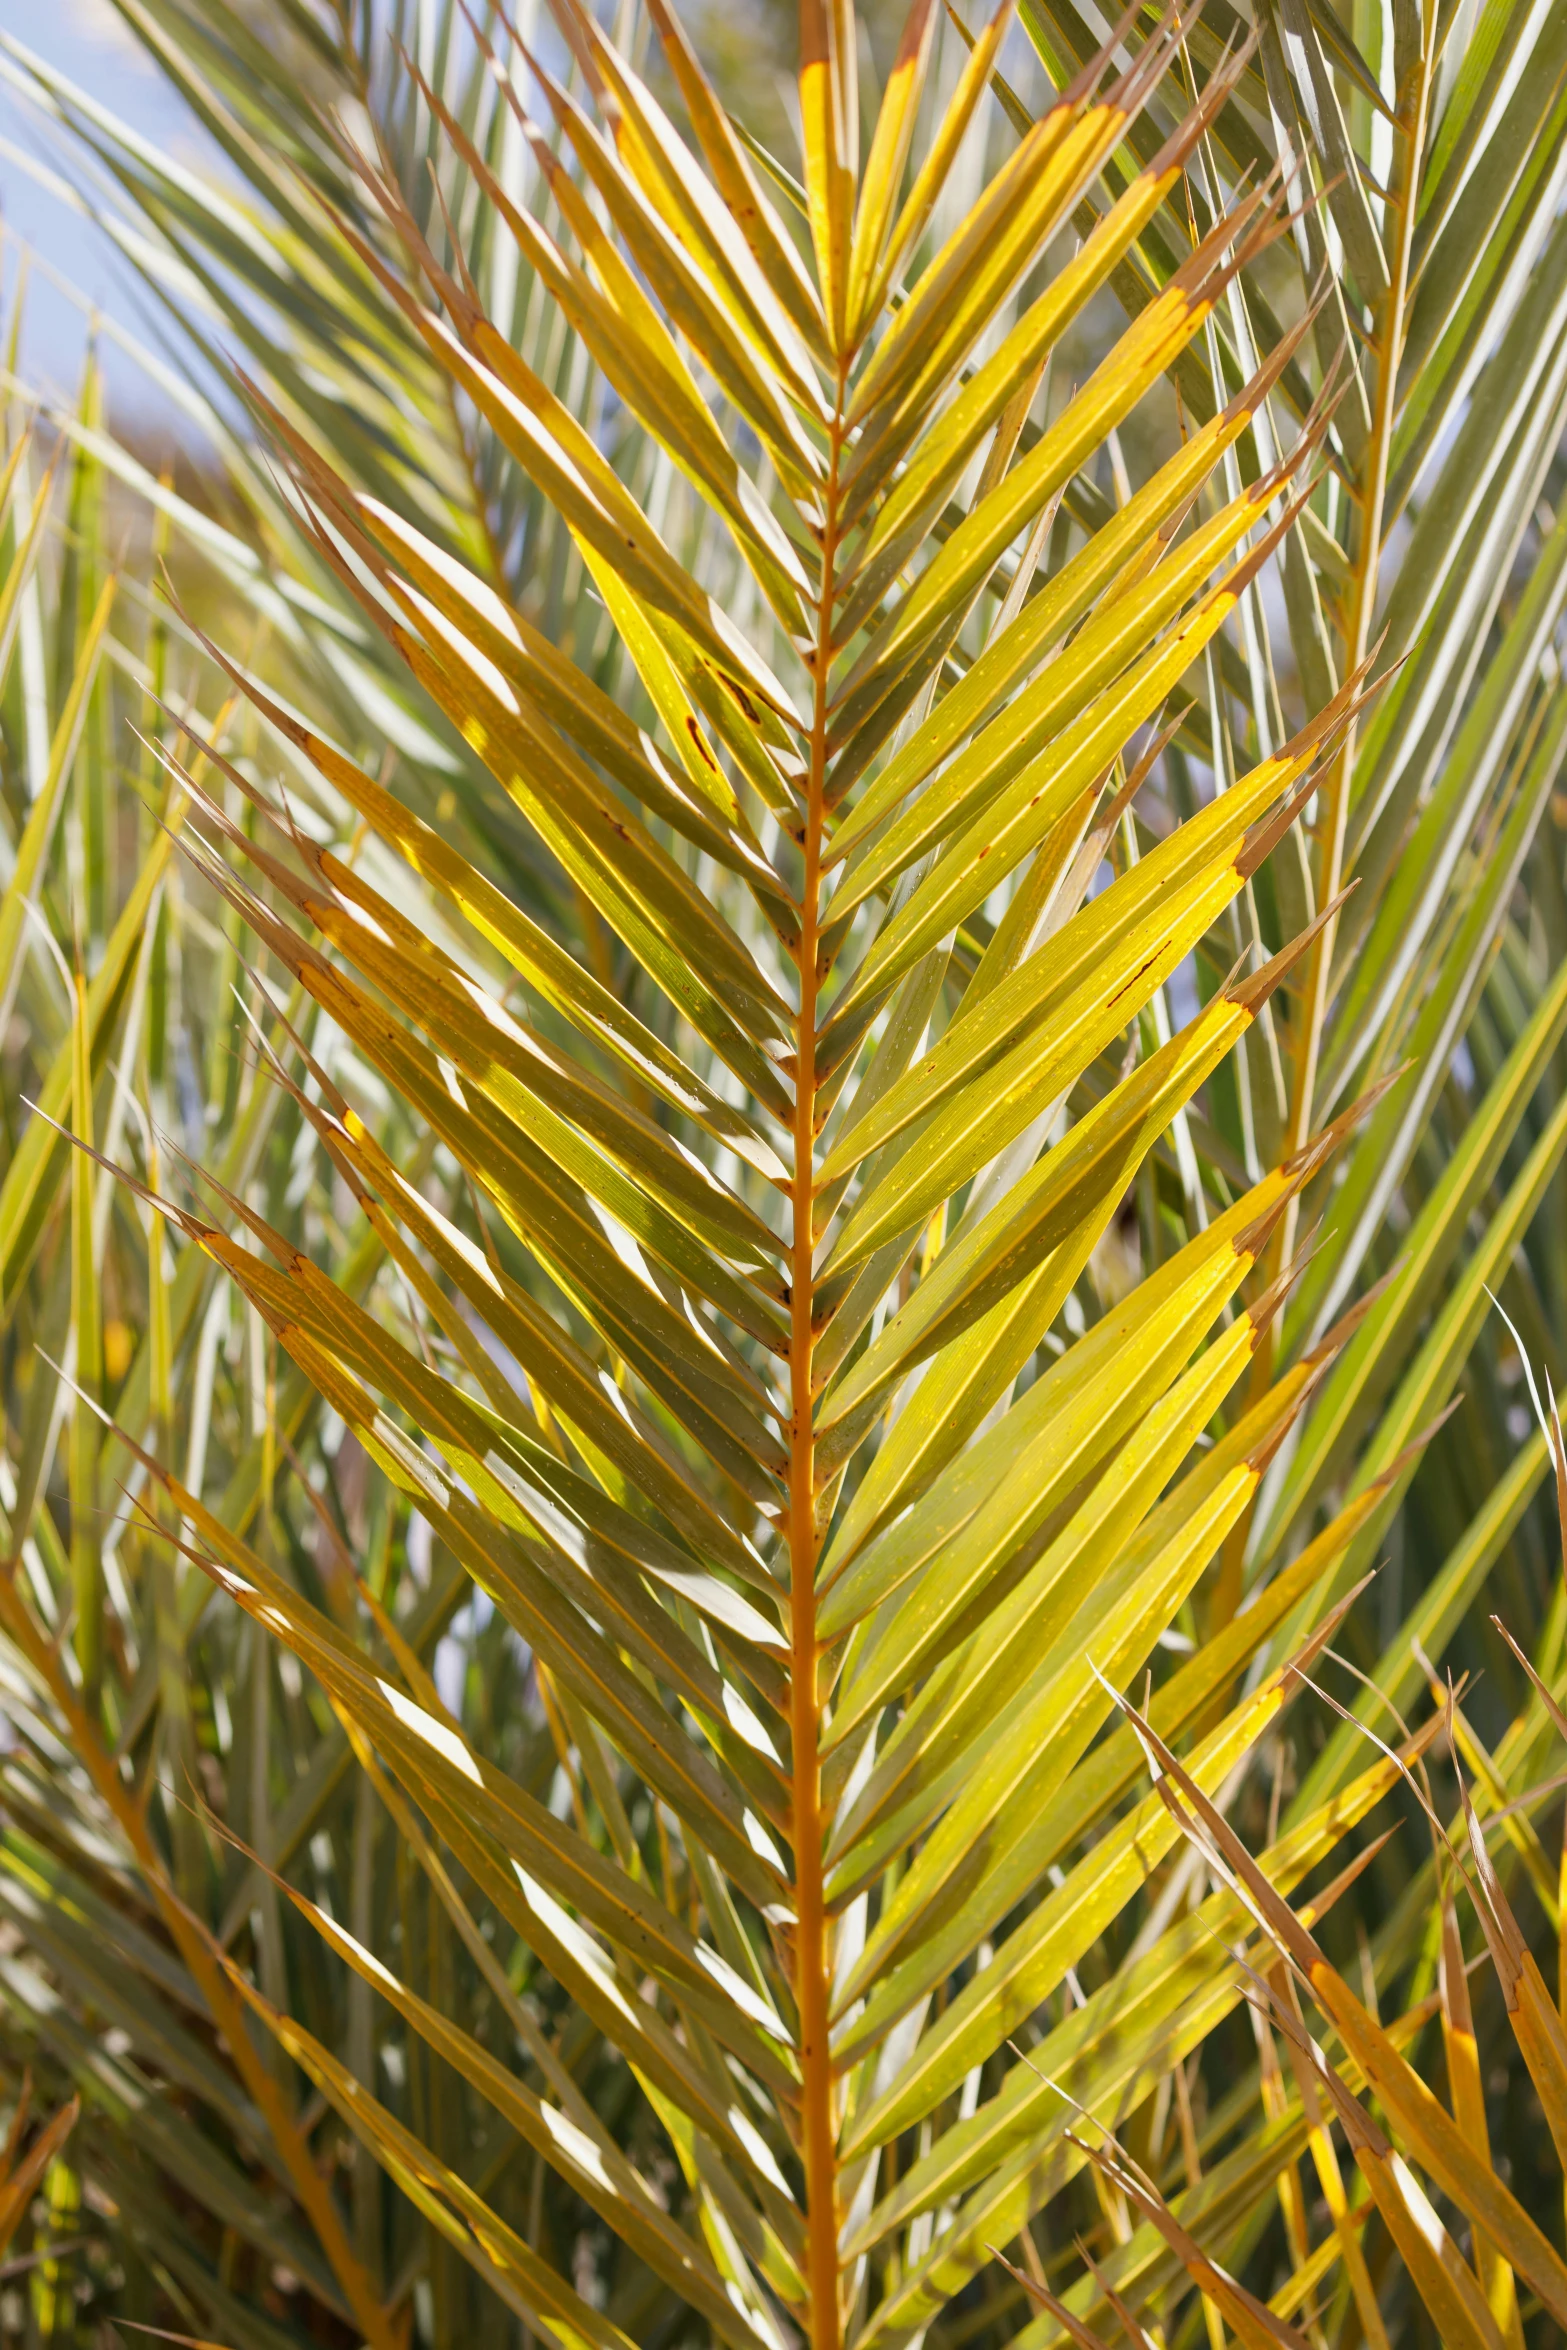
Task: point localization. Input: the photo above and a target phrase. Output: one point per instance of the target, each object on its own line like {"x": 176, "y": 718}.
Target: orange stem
{"x": 812, "y": 1945}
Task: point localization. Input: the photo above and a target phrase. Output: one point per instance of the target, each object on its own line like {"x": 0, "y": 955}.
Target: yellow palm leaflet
{"x": 1136, "y": 532}
{"x": 1120, "y": 628}
{"x": 1163, "y": 330}
{"x": 1068, "y": 1419}
{"x": 944, "y": 450}
{"x": 738, "y": 247}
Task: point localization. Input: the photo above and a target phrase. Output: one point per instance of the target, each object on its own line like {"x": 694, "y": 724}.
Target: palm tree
{"x": 807, "y": 967}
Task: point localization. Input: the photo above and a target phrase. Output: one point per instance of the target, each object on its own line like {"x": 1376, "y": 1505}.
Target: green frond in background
{"x": 782, "y": 1229}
